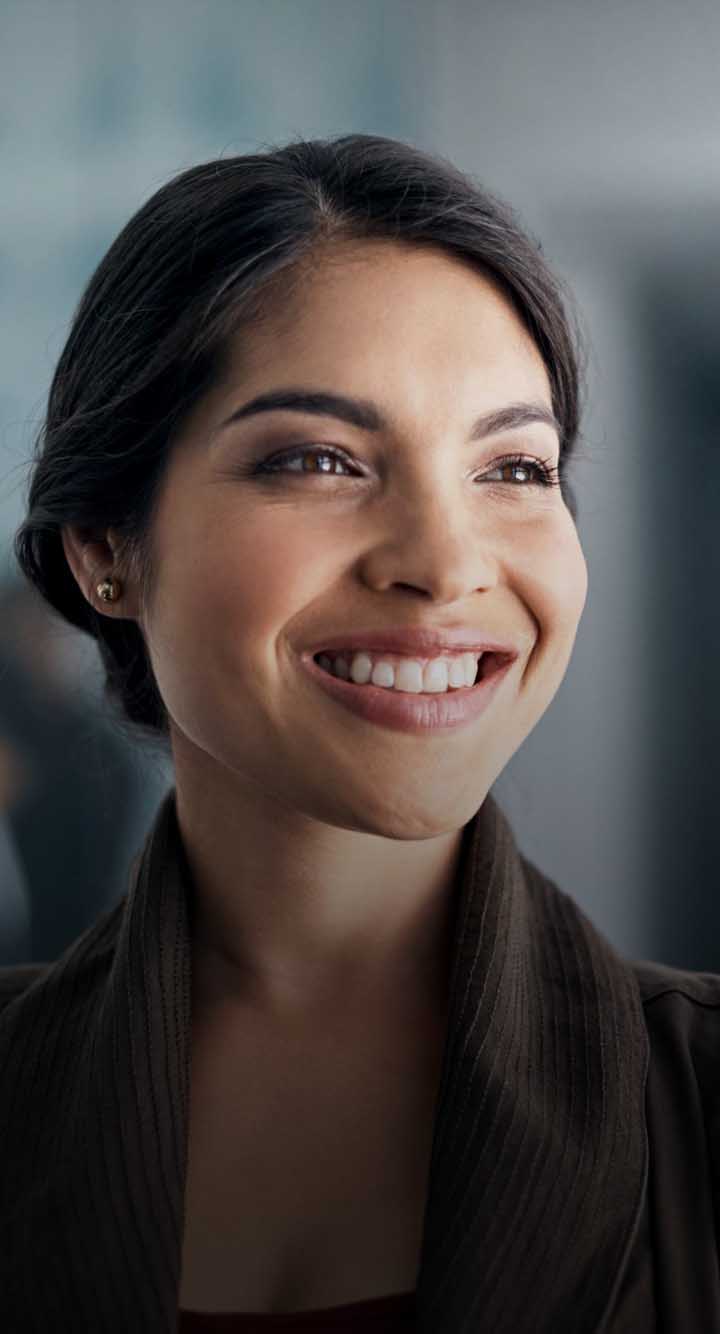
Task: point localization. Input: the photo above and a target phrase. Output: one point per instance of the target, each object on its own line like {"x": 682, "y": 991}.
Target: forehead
{"x": 390, "y": 310}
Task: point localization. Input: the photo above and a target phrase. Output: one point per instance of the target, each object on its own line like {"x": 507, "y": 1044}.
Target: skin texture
{"x": 323, "y": 846}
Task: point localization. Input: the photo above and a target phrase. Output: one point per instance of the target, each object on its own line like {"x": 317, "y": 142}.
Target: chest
{"x": 308, "y": 1167}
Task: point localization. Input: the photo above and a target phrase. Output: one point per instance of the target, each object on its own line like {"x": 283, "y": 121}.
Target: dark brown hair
{"x": 199, "y": 261}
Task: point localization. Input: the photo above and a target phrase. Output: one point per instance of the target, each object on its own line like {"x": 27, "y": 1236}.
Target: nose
{"x": 437, "y": 544}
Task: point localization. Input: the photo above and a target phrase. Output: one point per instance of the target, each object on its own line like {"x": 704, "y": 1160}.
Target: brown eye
{"x": 325, "y": 457}
{"x": 539, "y": 474}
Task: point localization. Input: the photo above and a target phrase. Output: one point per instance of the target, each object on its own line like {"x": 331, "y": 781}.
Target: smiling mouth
{"x": 489, "y": 663}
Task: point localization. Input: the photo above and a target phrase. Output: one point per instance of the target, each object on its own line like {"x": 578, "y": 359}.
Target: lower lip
{"x": 406, "y": 712}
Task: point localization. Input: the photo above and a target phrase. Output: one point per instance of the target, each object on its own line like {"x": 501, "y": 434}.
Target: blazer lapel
{"x": 539, "y": 1161}
{"x": 539, "y": 1157}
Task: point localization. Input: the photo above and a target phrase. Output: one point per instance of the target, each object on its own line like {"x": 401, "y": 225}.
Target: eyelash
{"x": 546, "y": 474}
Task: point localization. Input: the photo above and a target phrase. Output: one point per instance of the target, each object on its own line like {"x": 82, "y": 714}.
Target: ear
{"x": 90, "y": 553}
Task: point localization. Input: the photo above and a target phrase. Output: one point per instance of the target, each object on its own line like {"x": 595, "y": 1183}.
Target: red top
{"x": 378, "y": 1315}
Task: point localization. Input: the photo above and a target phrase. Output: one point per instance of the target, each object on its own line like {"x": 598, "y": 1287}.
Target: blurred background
{"x": 601, "y": 125}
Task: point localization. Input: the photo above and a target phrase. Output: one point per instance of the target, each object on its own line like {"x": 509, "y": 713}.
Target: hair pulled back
{"x": 198, "y": 263}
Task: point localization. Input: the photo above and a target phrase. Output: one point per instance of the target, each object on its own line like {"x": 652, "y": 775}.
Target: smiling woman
{"x": 343, "y": 1057}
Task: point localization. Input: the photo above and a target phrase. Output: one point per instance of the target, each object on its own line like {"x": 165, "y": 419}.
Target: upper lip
{"x": 422, "y": 642}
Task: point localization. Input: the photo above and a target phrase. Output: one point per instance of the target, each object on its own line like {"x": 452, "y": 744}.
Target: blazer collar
{"x": 539, "y": 1157}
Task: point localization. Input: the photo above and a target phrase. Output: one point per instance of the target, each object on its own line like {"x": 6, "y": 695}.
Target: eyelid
{"x": 547, "y": 473}
{"x": 525, "y": 444}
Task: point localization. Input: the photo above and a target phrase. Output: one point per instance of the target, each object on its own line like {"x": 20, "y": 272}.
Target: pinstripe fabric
{"x": 536, "y": 1218}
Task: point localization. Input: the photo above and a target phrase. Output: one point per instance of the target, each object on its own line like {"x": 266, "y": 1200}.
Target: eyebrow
{"x": 361, "y": 412}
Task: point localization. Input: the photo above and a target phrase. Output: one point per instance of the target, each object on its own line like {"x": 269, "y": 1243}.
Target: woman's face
{"x": 417, "y": 528}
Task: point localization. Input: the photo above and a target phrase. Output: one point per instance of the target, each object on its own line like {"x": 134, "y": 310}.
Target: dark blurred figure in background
{"x": 15, "y": 945}
{"x": 75, "y": 800}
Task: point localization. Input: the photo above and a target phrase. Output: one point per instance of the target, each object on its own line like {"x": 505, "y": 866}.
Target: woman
{"x": 342, "y": 1058}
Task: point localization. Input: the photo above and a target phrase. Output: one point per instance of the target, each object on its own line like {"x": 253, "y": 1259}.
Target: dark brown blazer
{"x": 575, "y": 1171}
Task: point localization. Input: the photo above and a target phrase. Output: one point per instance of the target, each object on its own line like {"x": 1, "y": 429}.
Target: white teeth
{"x": 361, "y": 669}
{"x": 408, "y": 676}
{"x": 405, "y": 674}
{"x": 435, "y": 676}
{"x": 382, "y": 674}
{"x": 457, "y": 675}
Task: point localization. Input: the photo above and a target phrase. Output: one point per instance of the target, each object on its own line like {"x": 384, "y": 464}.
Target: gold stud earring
{"x": 109, "y": 590}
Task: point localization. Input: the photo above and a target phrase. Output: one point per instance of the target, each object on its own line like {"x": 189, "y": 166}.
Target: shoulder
{"x": 659, "y": 980}
{"x": 64, "y": 986}
{"x": 17, "y": 979}
{"x": 682, "y": 1019}
{"x": 660, "y": 985}
{"x": 680, "y": 1006}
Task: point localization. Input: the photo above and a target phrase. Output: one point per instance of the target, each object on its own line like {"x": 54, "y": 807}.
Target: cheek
{"x": 561, "y": 583}
{"x": 273, "y": 572}
{"x": 241, "y": 578}
{"x": 573, "y": 580}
